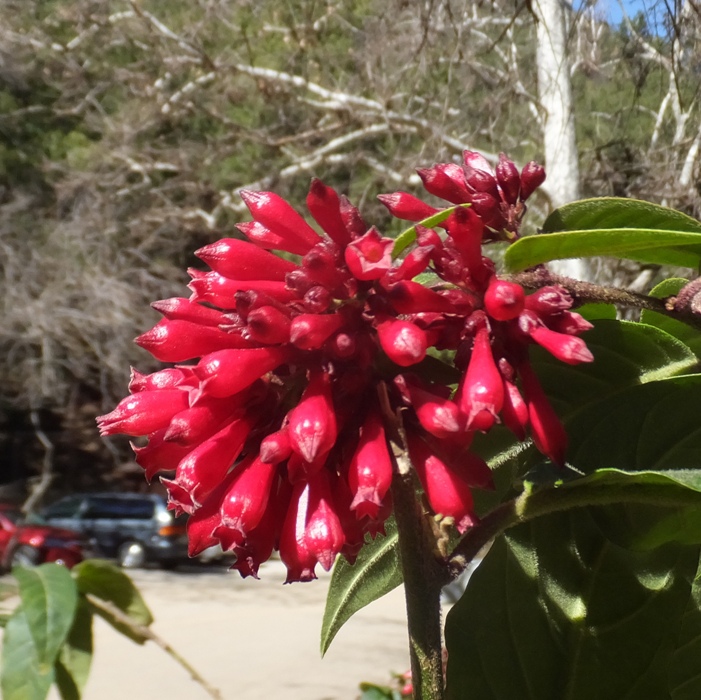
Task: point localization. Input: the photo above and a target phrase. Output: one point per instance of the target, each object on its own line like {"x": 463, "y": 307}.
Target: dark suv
{"x": 135, "y": 529}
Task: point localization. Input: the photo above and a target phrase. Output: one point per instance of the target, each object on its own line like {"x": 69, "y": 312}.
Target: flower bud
{"x": 199, "y": 422}
{"x": 532, "y": 177}
{"x": 158, "y": 455}
{"x": 312, "y": 423}
{"x": 213, "y": 288}
{"x": 205, "y": 520}
{"x": 549, "y": 300}
{"x": 569, "y": 322}
{"x": 353, "y": 221}
{"x": 143, "y": 413}
{"x": 177, "y": 341}
{"x": 317, "y": 300}
{"x": 476, "y": 160}
{"x": 413, "y": 264}
{"x": 370, "y": 469}
{"x": 481, "y": 392}
{"x": 276, "y": 447}
{"x": 324, "y": 205}
{"x": 276, "y": 214}
{"x": 447, "y": 181}
{"x": 514, "y": 412}
{"x": 369, "y": 257}
{"x": 481, "y": 181}
{"x": 294, "y": 551}
{"x": 403, "y": 342}
{"x": 508, "y": 178}
{"x": 437, "y": 415}
{"x": 239, "y": 260}
{"x": 504, "y": 300}
{"x": 163, "y": 379}
{"x": 447, "y": 494}
{"x": 311, "y": 331}
{"x": 319, "y": 264}
{"x": 227, "y": 372}
{"x": 323, "y": 535}
{"x": 466, "y": 230}
{"x": 547, "y": 431}
{"x": 180, "y": 309}
{"x": 403, "y": 205}
{"x": 487, "y": 208}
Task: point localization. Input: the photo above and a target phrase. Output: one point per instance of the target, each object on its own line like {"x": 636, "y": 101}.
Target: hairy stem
{"x": 422, "y": 583}
{"x": 587, "y": 292}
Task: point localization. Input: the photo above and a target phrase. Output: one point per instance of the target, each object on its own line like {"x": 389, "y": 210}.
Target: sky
{"x": 612, "y": 10}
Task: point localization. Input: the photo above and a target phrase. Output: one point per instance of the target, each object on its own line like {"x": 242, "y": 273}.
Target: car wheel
{"x": 131, "y": 555}
{"x": 25, "y": 556}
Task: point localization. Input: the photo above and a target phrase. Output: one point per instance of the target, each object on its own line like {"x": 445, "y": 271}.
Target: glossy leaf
{"x": 49, "y": 599}
{"x": 73, "y": 664}
{"x": 570, "y": 614}
{"x": 112, "y": 585}
{"x": 625, "y": 228}
{"x": 22, "y": 675}
{"x": 376, "y": 572}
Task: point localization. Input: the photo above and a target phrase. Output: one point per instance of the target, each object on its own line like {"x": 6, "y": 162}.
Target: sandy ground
{"x": 252, "y": 640}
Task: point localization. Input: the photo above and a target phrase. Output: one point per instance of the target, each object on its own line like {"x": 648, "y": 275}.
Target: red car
{"x": 28, "y": 544}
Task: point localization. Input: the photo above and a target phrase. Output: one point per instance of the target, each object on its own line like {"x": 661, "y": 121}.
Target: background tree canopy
{"x": 127, "y": 128}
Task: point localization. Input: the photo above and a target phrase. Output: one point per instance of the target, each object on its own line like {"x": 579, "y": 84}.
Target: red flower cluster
{"x": 276, "y": 435}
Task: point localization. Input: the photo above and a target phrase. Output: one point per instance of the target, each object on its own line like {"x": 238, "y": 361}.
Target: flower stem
{"x": 422, "y": 584}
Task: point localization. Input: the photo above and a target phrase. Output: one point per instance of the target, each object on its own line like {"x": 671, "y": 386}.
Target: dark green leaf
{"x": 376, "y": 572}
{"x": 370, "y": 691}
{"x": 683, "y": 331}
{"x": 49, "y": 600}
{"x": 684, "y": 676}
{"x": 625, "y": 228}
{"x": 73, "y": 663}
{"x": 111, "y": 584}
{"x": 570, "y": 614}
{"x": 22, "y": 675}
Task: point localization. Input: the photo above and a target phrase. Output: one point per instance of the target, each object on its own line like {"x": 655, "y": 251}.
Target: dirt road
{"x": 251, "y": 639}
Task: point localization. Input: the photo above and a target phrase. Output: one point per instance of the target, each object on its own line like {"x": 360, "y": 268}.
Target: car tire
{"x": 25, "y": 556}
{"x": 131, "y": 555}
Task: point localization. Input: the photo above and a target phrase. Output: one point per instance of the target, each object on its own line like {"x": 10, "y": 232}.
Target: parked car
{"x": 134, "y": 529}
{"x": 27, "y": 543}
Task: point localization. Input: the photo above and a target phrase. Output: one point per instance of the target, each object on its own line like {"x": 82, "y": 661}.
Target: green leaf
{"x": 73, "y": 664}
{"x": 625, "y": 228}
{"x": 22, "y": 675}
{"x": 684, "y": 676}
{"x": 376, "y": 572}
{"x": 683, "y": 331}
{"x": 370, "y": 691}
{"x": 570, "y": 614}
{"x": 112, "y": 585}
{"x": 49, "y": 600}
{"x": 408, "y": 236}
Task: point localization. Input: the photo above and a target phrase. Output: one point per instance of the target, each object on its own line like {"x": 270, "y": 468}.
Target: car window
{"x": 65, "y": 508}
{"x": 120, "y": 508}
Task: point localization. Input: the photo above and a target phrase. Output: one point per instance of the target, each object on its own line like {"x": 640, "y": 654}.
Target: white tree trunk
{"x": 555, "y": 96}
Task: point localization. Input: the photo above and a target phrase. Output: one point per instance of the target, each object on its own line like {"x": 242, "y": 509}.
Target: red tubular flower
{"x": 312, "y": 423}
{"x": 409, "y": 297}
{"x": 213, "y": 288}
{"x": 277, "y": 215}
{"x": 204, "y": 521}
{"x": 353, "y": 221}
{"x": 276, "y": 447}
{"x": 200, "y": 472}
{"x": 267, "y": 325}
{"x": 324, "y": 205}
{"x": 547, "y": 431}
{"x": 226, "y": 372}
{"x": 263, "y": 237}
{"x": 159, "y": 455}
{"x": 163, "y": 379}
{"x": 311, "y": 331}
{"x": 549, "y": 300}
{"x": 566, "y": 348}
{"x": 481, "y": 392}
{"x": 447, "y": 494}
{"x": 246, "y": 500}
{"x": 144, "y": 412}
{"x": 403, "y": 342}
{"x": 437, "y": 415}
{"x": 504, "y": 300}
{"x": 181, "y": 309}
{"x": 177, "y": 341}
{"x": 403, "y": 205}
{"x": 466, "y": 231}
{"x": 370, "y": 256}
{"x": 323, "y": 534}
{"x": 514, "y": 412}
{"x": 370, "y": 469}
{"x": 294, "y": 550}
{"x": 239, "y": 260}
{"x": 413, "y": 264}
